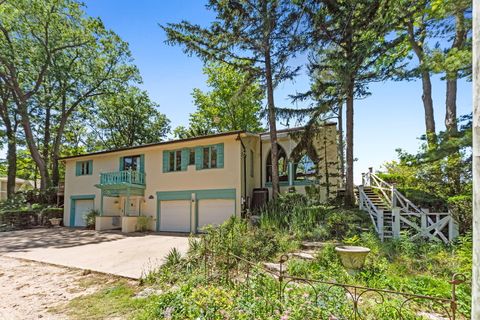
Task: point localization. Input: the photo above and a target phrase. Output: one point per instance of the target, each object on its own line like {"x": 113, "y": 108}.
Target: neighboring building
{"x": 186, "y": 184}
{"x": 20, "y": 185}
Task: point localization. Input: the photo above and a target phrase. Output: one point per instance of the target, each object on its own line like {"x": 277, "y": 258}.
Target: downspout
{"x": 244, "y": 155}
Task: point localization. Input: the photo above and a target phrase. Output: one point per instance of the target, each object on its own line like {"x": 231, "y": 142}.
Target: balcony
{"x": 122, "y": 177}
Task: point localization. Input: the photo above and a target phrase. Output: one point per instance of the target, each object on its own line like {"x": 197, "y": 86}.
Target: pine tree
{"x": 256, "y": 36}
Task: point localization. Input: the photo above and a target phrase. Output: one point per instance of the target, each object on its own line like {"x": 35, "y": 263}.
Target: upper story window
{"x": 209, "y": 157}
{"x": 83, "y": 168}
{"x": 131, "y": 163}
{"x": 191, "y": 157}
{"x": 282, "y": 165}
{"x": 175, "y": 160}
{"x": 203, "y": 157}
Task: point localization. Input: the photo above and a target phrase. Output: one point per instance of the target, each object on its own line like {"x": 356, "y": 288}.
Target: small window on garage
{"x": 175, "y": 161}
{"x": 84, "y": 168}
{"x": 191, "y": 159}
{"x": 210, "y": 157}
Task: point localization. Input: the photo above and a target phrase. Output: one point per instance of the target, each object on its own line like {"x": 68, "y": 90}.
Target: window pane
{"x": 206, "y": 158}
{"x": 213, "y": 157}
{"x": 135, "y": 162}
{"x": 192, "y": 157}
{"x": 171, "y": 161}
{"x": 127, "y": 163}
{"x": 178, "y": 161}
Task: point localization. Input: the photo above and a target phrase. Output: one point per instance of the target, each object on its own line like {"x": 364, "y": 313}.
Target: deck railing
{"x": 125, "y": 176}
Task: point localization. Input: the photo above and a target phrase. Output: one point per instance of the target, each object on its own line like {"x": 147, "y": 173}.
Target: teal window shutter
{"x": 198, "y": 158}
{"x": 120, "y": 166}
{"x": 90, "y": 167}
{"x": 78, "y": 168}
{"x": 142, "y": 163}
{"x": 220, "y": 155}
{"x": 166, "y": 154}
{"x": 185, "y": 158}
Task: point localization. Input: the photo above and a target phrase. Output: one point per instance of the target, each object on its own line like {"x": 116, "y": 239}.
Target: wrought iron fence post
{"x": 281, "y": 273}
{"x": 456, "y": 280}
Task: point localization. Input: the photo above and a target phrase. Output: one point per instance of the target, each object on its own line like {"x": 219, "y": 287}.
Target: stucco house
{"x": 183, "y": 185}
{"x": 20, "y": 185}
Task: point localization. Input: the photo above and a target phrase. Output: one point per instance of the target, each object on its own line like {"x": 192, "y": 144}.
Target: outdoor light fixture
{"x": 150, "y": 197}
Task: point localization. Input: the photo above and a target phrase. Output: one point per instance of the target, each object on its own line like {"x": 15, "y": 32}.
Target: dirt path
{"x": 28, "y": 290}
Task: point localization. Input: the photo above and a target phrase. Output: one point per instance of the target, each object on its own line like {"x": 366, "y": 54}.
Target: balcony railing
{"x": 119, "y": 177}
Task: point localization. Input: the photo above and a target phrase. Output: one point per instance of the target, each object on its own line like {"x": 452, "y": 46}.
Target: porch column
{"x": 127, "y": 203}
{"x": 476, "y": 162}
{"x": 290, "y": 173}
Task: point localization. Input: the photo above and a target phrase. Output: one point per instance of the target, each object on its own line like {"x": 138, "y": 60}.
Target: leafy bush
{"x": 461, "y": 209}
{"x": 19, "y": 219}
{"x": 90, "y": 218}
{"x": 143, "y": 223}
{"x": 48, "y": 213}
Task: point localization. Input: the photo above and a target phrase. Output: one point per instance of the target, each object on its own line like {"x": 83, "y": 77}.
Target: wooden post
{"x": 476, "y": 163}
{"x": 396, "y": 222}
{"x": 394, "y": 197}
{"x": 360, "y": 197}
{"x": 380, "y": 224}
{"x": 452, "y": 229}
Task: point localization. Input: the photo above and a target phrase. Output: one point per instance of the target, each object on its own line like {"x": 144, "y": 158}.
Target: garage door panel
{"x": 215, "y": 211}
{"x": 175, "y": 215}
{"x": 82, "y": 207}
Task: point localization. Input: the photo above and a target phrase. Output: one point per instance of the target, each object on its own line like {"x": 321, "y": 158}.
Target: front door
{"x": 131, "y": 207}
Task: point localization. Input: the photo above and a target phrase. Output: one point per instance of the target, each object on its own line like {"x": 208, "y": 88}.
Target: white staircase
{"x": 392, "y": 213}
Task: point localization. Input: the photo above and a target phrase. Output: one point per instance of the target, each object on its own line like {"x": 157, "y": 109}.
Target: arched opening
{"x": 282, "y": 165}
{"x": 305, "y": 168}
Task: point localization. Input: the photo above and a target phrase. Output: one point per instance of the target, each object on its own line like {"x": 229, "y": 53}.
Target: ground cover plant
{"x": 193, "y": 287}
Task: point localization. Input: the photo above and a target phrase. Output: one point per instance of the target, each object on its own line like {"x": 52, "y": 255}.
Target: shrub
{"x": 48, "y": 213}
{"x": 143, "y": 223}
{"x": 90, "y": 218}
{"x": 19, "y": 219}
{"x": 460, "y": 208}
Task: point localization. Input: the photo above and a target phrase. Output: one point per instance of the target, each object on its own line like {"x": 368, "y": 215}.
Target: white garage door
{"x": 215, "y": 211}
{"x": 82, "y": 207}
{"x": 175, "y": 215}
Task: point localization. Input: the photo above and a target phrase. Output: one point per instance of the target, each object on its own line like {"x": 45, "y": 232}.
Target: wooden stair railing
{"x": 391, "y": 212}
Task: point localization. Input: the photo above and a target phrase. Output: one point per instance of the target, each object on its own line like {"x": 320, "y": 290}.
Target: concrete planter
{"x": 352, "y": 257}
{"x": 55, "y": 221}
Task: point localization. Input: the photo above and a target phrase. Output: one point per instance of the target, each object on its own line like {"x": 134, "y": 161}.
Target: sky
{"x": 392, "y": 117}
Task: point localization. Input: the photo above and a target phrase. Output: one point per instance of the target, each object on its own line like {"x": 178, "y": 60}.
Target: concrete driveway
{"x": 127, "y": 255}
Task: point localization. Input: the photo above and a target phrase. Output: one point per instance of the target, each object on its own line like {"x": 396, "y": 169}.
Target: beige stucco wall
{"x": 227, "y": 177}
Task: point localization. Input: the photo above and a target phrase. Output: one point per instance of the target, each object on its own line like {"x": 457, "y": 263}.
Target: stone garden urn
{"x": 352, "y": 257}
{"x": 55, "y": 221}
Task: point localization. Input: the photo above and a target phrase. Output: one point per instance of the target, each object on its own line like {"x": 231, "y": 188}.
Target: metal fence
{"x": 343, "y": 301}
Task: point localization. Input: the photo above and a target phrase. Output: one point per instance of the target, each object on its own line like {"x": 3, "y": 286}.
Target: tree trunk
{"x": 11, "y": 161}
{"x": 451, "y": 106}
{"x": 341, "y": 143}
{"x": 349, "y": 186}
{"x": 36, "y": 156}
{"x": 428, "y": 107}
{"x": 272, "y": 123}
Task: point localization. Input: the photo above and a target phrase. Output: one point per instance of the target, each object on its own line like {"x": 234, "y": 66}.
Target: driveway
{"x": 126, "y": 255}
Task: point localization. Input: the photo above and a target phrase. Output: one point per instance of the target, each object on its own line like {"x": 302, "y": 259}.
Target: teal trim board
{"x": 72, "y": 205}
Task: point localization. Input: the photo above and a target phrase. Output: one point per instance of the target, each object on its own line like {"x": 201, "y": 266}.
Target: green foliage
{"x": 233, "y": 103}
{"x": 297, "y": 215}
{"x": 173, "y": 258}
{"x": 90, "y": 218}
{"x": 143, "y": 223}
{"x": 127, "y": 118}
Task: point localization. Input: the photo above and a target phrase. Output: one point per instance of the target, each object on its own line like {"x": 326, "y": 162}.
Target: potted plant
{"x": 90, "y": 219}
{"x": 55, "y": 222}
